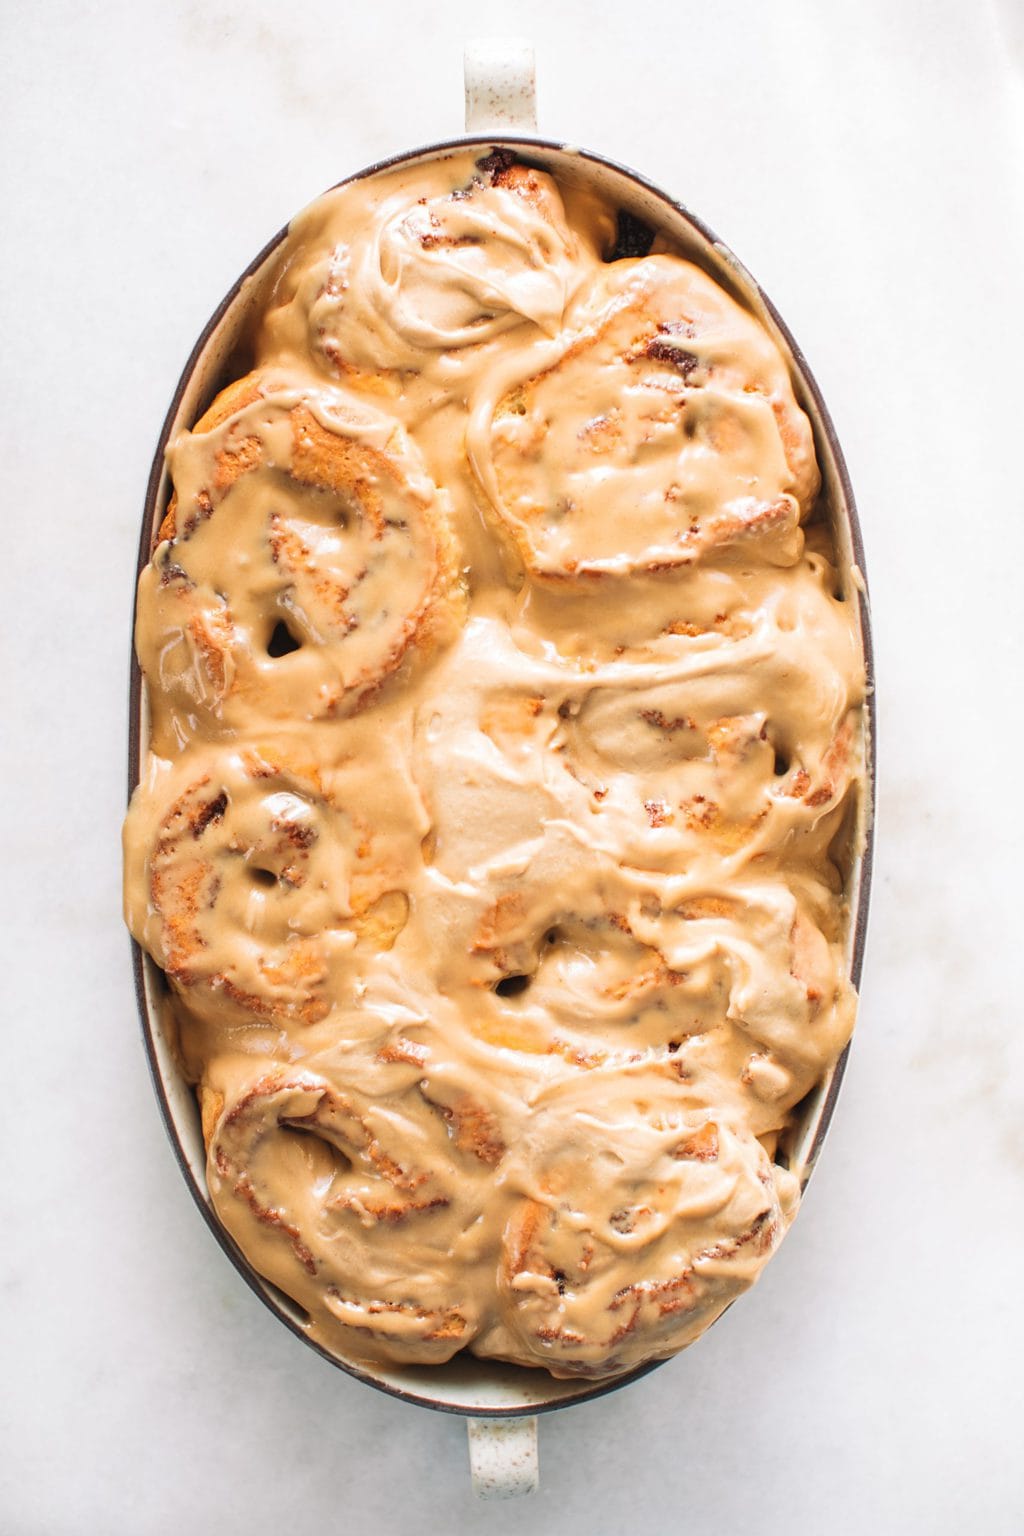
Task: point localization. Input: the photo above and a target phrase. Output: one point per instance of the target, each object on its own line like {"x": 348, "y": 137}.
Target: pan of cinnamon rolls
{"x": 497, "y": 851}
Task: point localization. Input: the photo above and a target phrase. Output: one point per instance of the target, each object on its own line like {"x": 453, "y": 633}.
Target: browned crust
{"x": 476, "y": 1130}
{"x": 230, "y": 400}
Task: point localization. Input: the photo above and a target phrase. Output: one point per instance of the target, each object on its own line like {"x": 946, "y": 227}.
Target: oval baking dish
{"x": 466, "y": 1385}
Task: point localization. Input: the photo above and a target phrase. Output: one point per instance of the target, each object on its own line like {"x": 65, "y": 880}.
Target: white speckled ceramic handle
{"x": 501, "y": 86}
{"x": 501, "y": 96}
{"x": 503, "y": 1457}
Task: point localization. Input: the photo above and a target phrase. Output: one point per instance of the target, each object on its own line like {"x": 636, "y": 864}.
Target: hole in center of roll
{"x": 781, "y": 765}
{"x": 632, "y": 236}
{"x": 282, "y": 642}
{"x": 325, "y": 1161}
{"x": 512, "y": 986}
{"x": 263, "y": 877}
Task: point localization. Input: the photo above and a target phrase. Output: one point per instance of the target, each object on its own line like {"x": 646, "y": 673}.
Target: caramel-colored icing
{"x": 506, "y": 730}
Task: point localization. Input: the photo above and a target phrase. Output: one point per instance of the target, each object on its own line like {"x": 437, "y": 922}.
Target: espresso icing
{"x": 506, "y": 737}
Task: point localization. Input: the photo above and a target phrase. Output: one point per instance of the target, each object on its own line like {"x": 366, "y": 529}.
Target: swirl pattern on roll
{"x": 665, "y": 398}
{"x": 344, "y": 1205}
{"x": 347, "y": 570}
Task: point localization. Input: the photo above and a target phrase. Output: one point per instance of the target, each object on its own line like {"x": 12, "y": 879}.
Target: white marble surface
{"x": 866, "y": 161}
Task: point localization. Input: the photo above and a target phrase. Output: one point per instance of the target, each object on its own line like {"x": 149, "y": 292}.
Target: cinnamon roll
{"x": 730, "y": 976}
{"x": 660, "y": 428}
{"x": 429, "y": 275}
{"x": 638, "y": 1221}
{"x": 305, "y": 557}
{"x": 349, "y": 1208}
{"x": 258, "y": 880}
{"x": 708, "y": 753}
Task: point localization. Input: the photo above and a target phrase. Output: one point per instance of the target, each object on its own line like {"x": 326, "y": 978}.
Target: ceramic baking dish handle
{"x": 503, "y": 1457}
{"x": 501, "y": 86}
{"x": 501, "y": 97}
